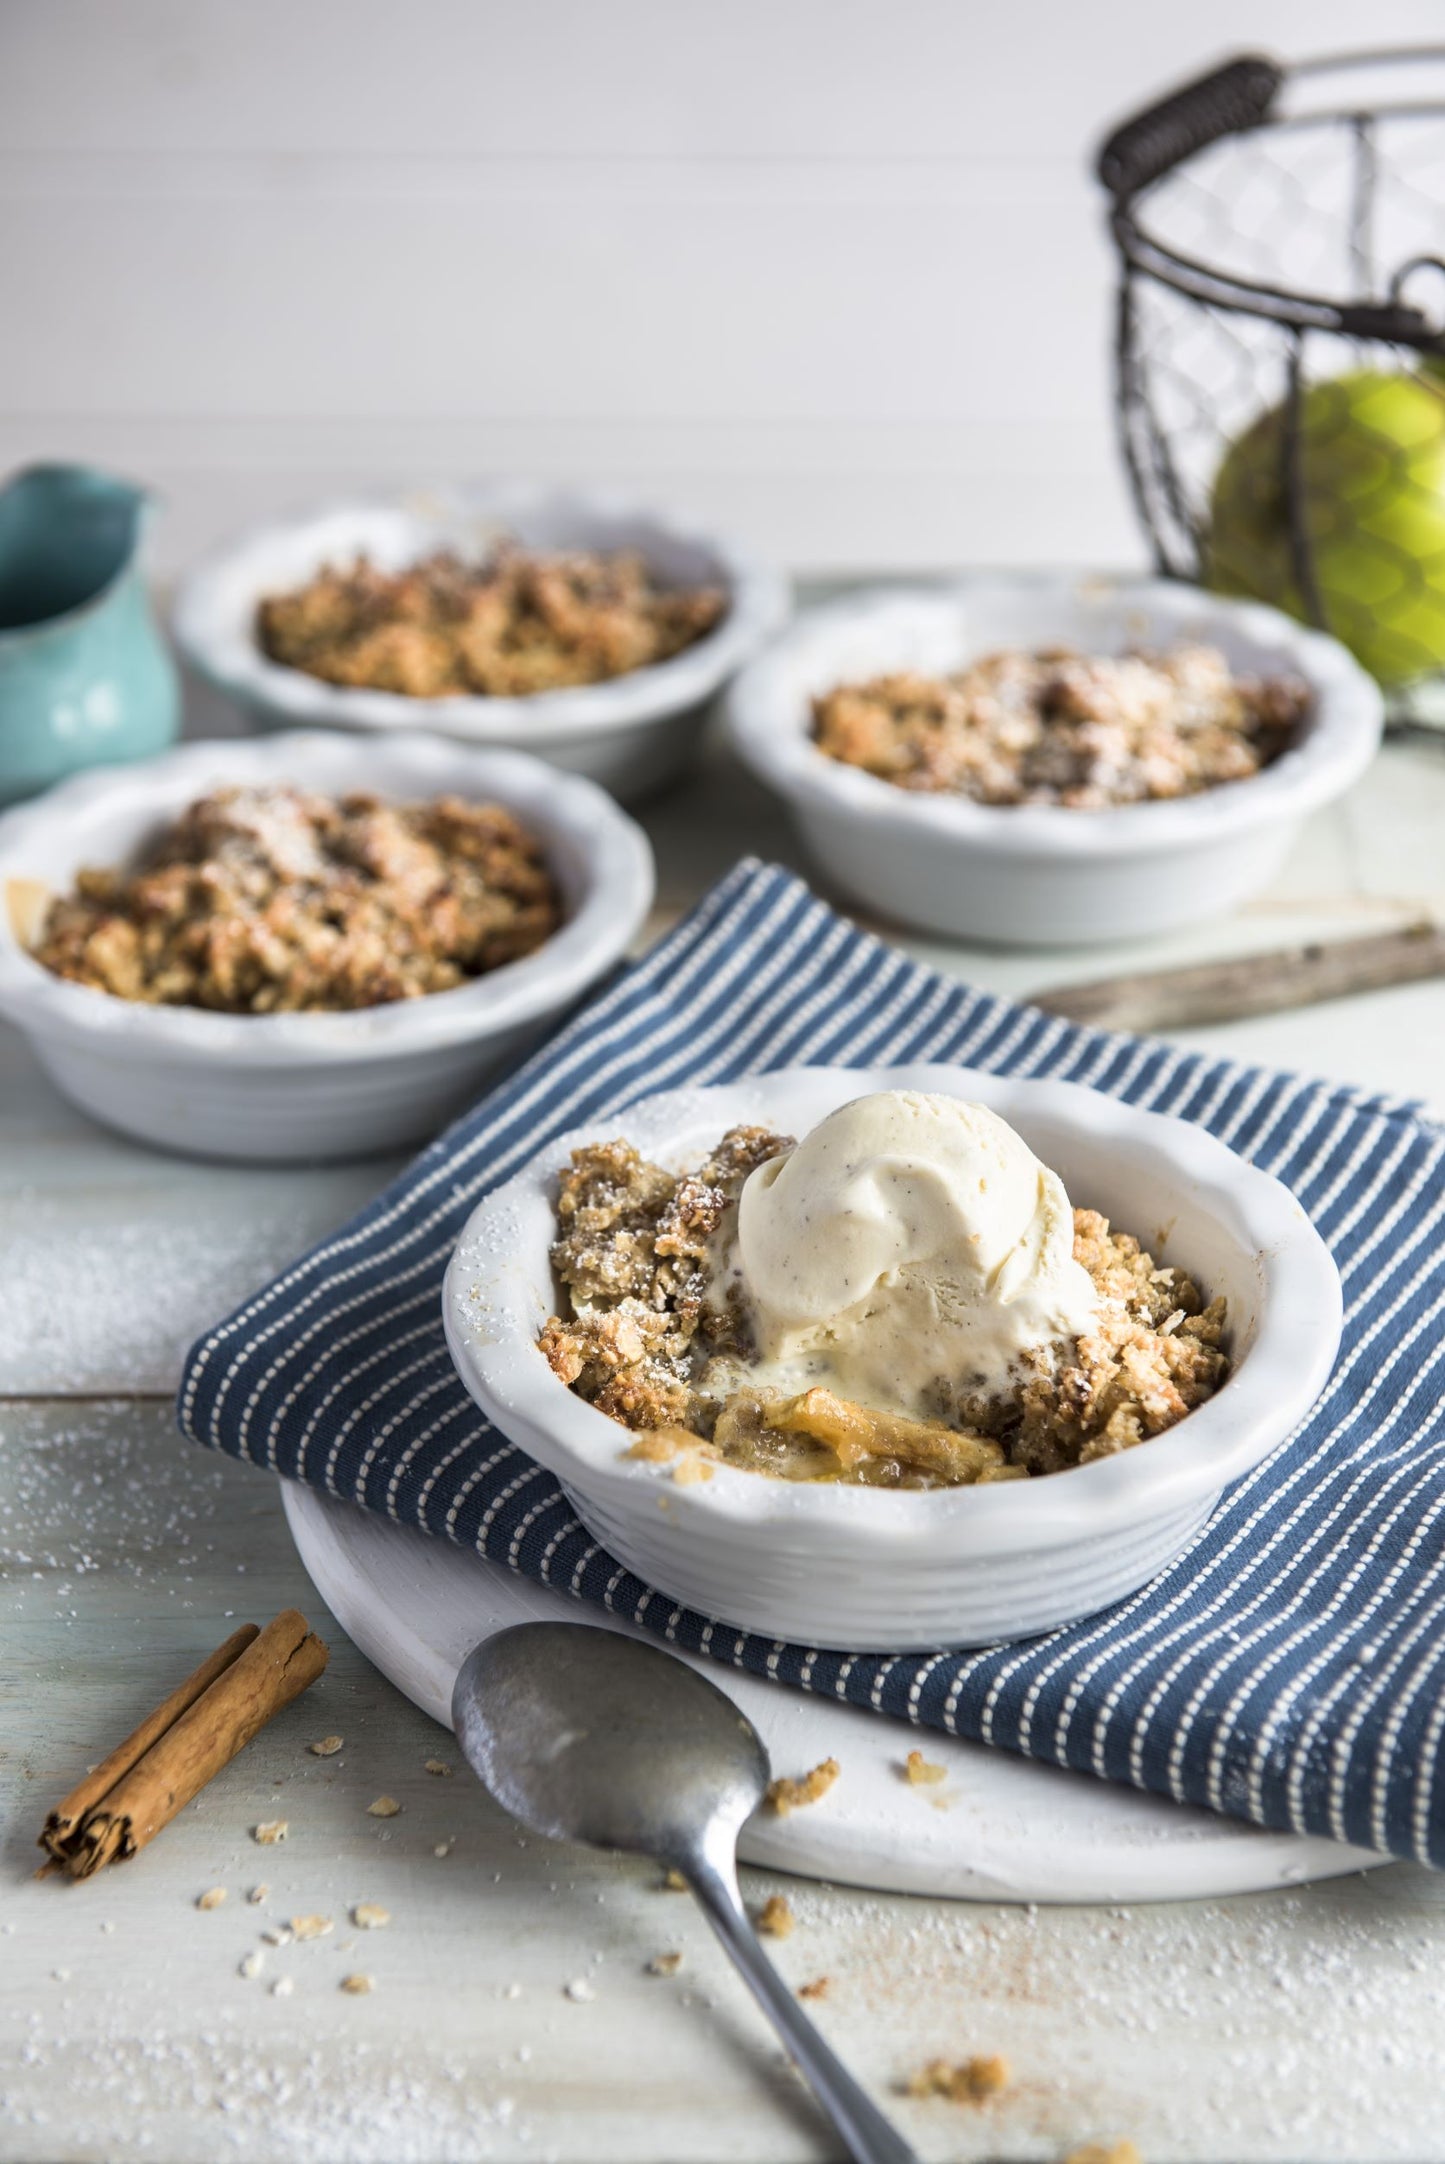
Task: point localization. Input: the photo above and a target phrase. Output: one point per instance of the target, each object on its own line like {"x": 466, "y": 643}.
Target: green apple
{"x": 1372, "y": 501}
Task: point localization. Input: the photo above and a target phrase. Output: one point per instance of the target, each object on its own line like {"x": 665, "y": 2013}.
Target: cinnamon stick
{"x": 169, "y": 1758}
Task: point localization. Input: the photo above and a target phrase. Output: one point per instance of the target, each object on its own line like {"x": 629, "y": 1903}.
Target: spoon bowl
{"x": 584, "y": 1735}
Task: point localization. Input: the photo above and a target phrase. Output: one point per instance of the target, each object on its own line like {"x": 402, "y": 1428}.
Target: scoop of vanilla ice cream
{"x": 909, "y": 1248}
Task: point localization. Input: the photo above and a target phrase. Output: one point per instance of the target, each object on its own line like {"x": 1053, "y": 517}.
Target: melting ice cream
{"x": 906, "y": 1252}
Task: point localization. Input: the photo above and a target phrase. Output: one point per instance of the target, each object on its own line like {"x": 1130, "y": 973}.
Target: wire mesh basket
{"x": 1281, "y": 345}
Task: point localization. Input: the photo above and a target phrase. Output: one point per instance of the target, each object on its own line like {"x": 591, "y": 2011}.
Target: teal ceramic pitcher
{"x": 85, "y": 679}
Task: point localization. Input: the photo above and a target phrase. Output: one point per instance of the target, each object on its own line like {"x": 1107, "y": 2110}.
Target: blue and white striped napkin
{"x": 1288, "y": 1668}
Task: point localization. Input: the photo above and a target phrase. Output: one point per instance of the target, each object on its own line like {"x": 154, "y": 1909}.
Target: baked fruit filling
{"x": 680, "y": 1318}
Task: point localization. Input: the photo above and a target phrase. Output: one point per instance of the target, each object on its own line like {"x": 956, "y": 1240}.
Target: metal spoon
{"x": 585, "y": 1735}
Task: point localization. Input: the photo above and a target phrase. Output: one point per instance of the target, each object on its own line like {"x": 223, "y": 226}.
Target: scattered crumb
{"x": 357, "y": 1985}
{"x": 384, "y": 1807}
{"x": 310, "y": 1927}
{"x": 211, "y": 1900}
{"x": 443, "y": 1848}
{"x": 282, "y": 1988}
{"x": 690, "y": 1470}
{"x": 258, "y": 1894}
{"x": 786, "y": 1795}
{"x": 776, "y": 1917}
{"x": 273, "y": 1830}
{"x": 327, "y": 1747}
{"x": 817, "y": 1989}
{"x": 672, "y": 1882}
{"x": 1098, "y": 2152}
{"x": 62, "y": 1976}
{"x": 439, "y": 1767}
{"x": 579, "y": 1989}
{"x": 920, "y": 1772}
{"x": 251, "y": 1963}
{"x": 370, "y": 1916}
{"x": 280, "y": 1935}
{"x": 664, "y": 1964}
{"x": 969, "y": 2082}
{"x": 513, "y": 1991}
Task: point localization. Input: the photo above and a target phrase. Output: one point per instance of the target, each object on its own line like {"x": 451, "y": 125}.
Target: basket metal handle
{"x": 1230, "y": 98}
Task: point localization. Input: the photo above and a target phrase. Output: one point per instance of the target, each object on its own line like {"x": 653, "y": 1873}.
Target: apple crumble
{"x": 272, "y": 901}
{"x": 1057, "y": 727}
{"x": 515, "y": 623}
{"x": 655, "y": 1335}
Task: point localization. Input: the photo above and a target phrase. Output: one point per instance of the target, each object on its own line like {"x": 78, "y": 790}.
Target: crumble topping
{"x": 273, "y": 901}
{"x": 517, "y": 622}
{"x": 1058, "y": 727}
{"x": 647, "y": 1343}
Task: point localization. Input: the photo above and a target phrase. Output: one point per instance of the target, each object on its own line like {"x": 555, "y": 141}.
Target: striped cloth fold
{"x": 1288, "y": 1668}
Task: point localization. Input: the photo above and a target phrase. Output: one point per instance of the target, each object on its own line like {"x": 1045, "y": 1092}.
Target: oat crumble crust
{"x": 633, "y": 1252}
{"x": 274, "y": 901}
{"x": 1058, "y": 727}
{"x": 518, "y": 622}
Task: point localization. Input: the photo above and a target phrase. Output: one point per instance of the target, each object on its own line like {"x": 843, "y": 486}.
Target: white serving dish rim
{"x": 619, "y": 889}
{"x": 218, "y": 638}
{"x": 1266, "y": 1396}
{"x": 769, "y": 722}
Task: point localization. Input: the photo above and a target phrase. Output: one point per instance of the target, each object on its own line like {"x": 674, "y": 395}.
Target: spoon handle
{"x": 866, "y": 2134}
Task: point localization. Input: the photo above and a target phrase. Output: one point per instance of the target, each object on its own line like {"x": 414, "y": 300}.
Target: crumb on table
{"x": 776, "y": 1917}
{"x": 966, "y": 2081}
{"x": 786, "y": 1794}
{"x": 921, "y": 1772}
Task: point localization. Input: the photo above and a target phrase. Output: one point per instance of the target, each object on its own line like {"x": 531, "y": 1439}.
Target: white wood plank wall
{"x": 832, "y": 272}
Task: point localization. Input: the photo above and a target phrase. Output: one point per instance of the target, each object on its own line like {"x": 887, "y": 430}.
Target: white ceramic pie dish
{"x": 307, "y": 1086}
{"x": 849, "y": 1567}
{"x": 630, "y": 734}
{"x": 1040, "y": 875}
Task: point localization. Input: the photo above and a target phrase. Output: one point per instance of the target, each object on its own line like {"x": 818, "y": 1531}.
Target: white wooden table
{"x": 1290, "y": 2026}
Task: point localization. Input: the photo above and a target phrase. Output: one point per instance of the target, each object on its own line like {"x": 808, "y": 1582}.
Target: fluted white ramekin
{"x": 630, "y": 734}
{"x": 308, "y": 1086}
{"x": 830, "y": 1565}
{"x": 1037, "y": 874}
